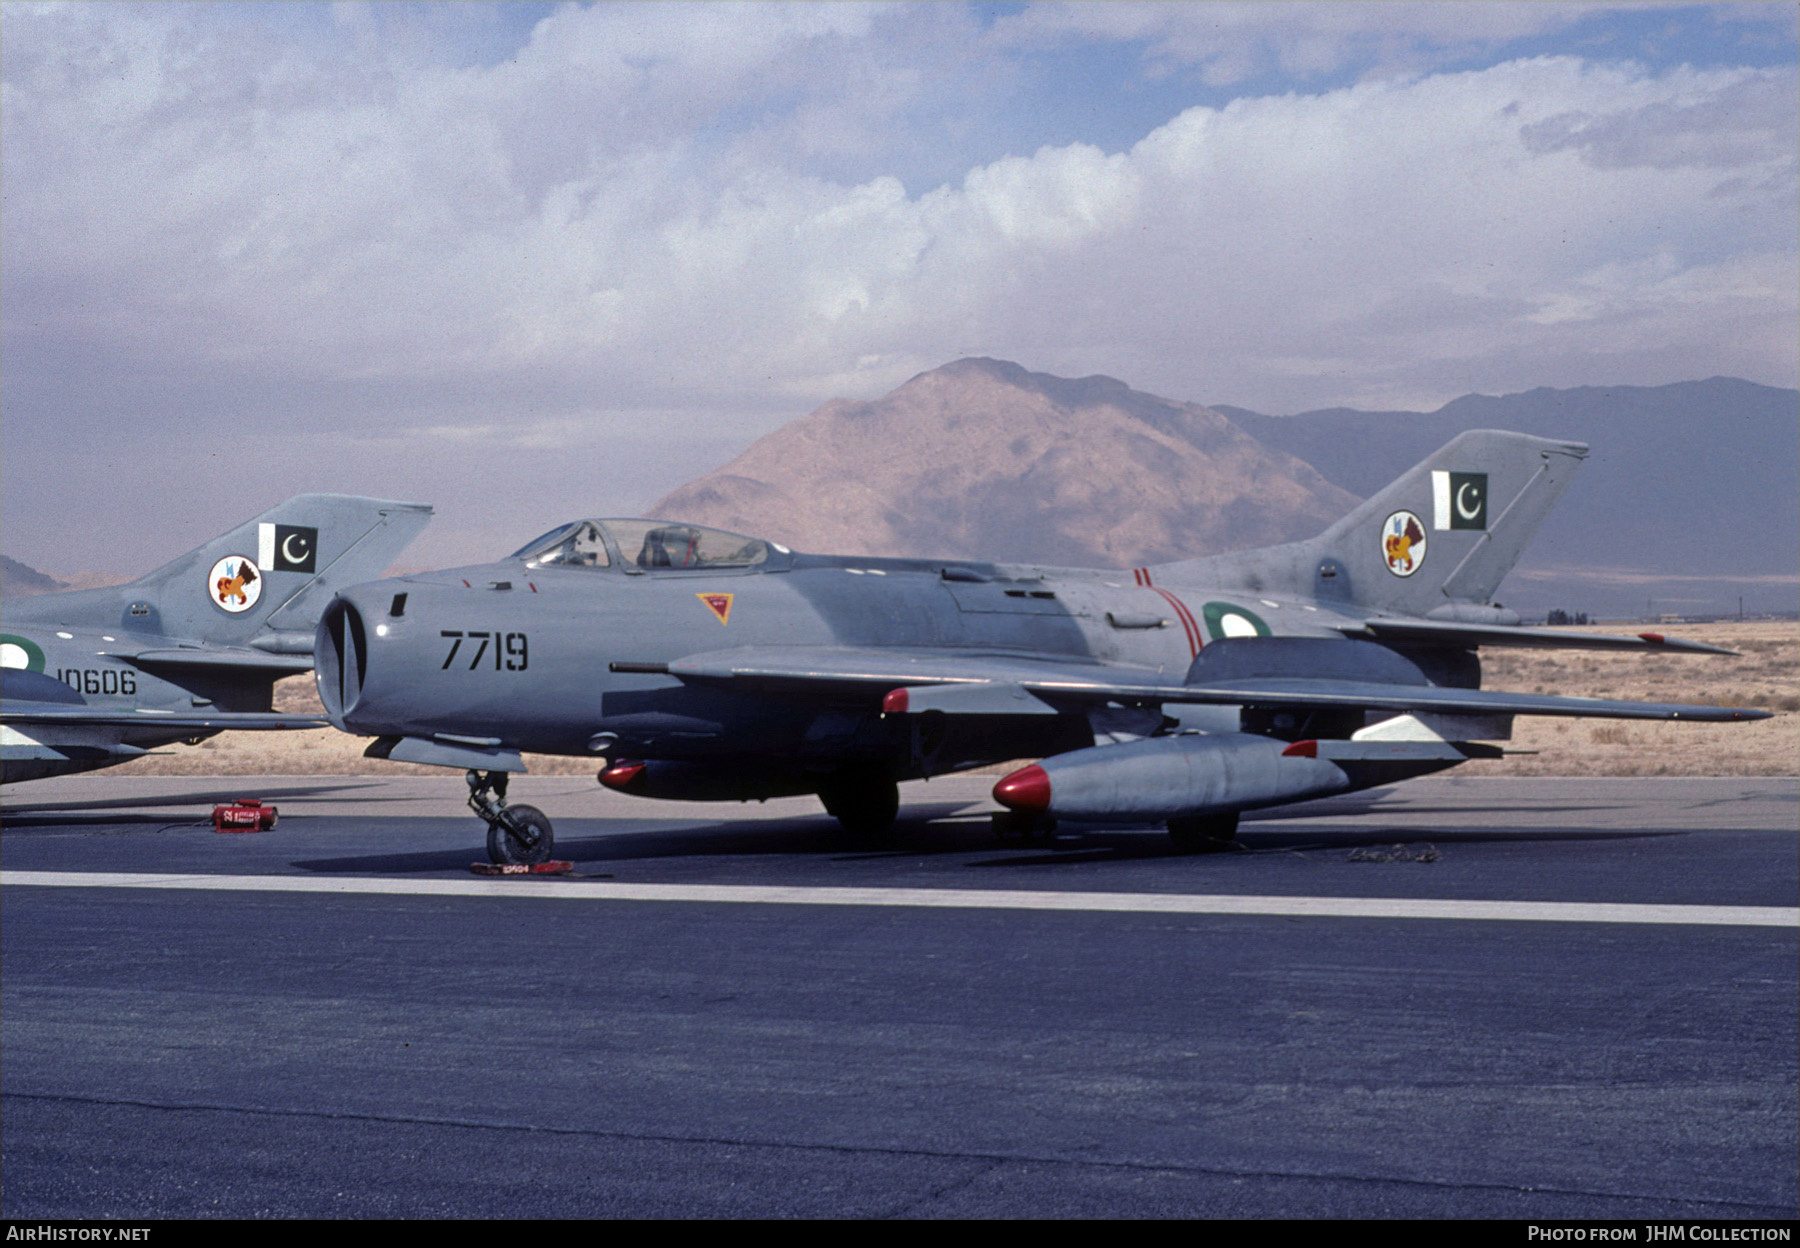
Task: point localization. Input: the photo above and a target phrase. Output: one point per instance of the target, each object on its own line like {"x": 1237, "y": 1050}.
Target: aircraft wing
{"x": 1454, "y": 634}
{"x": 987, "y": 684}
{"x": 87, "y": 716}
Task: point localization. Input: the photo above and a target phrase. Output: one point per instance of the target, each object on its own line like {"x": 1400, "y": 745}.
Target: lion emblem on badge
{"x": 1403, "y": 543}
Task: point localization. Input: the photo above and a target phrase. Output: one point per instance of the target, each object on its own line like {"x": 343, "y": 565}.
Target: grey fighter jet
{"x": 694, "y": 663}
{"x": 96, "y": 677}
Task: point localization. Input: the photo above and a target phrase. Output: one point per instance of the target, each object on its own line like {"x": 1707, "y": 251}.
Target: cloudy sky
{"x": 532, "y": 261}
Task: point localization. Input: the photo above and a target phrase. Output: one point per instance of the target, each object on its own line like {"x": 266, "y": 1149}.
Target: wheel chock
{"x": 555, "y": 866}
{"x": 244, "y": 815}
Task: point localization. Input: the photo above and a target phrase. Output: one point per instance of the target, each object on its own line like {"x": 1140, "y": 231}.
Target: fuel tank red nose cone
{"x": 620, "y": 775}
{"x": 1027, "y": 791}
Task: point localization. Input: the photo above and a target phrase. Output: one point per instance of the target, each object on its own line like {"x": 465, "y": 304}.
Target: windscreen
{"x": 577, "y": 545}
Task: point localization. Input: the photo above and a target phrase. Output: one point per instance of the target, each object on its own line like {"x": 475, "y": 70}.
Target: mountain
{"x": 20, "y": 581}
{"x": 1689, "y": 499}
{"x": 982, "y": 459}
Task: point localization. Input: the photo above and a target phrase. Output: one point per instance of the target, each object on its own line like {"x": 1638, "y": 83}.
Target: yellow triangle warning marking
{"x": 718, "y": 604}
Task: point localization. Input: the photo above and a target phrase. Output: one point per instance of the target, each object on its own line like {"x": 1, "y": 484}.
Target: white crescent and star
{"x": 287, "y": 548}
{"x": 1463, "y": 508}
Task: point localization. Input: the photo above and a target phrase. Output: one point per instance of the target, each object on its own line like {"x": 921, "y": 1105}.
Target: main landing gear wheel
{"x": 864, "y": 801}
{"x": 521, "y": 835}
{"x": 1203, "y": 834}
{"x": 516, "y": 834}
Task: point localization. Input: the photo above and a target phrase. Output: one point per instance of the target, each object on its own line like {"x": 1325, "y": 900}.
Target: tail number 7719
{"x": 510, "y": 651}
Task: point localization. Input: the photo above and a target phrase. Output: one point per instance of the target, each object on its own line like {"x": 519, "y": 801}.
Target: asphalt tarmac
{"x": 1454, "y": 998}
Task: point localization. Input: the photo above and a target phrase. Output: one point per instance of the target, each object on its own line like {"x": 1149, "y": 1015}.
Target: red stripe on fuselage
{"x": 1187, "y": 621}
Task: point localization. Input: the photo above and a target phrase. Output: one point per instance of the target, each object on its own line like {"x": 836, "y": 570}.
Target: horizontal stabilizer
{"x": 221, "y": 657}
{"x": 1535, "y": 638}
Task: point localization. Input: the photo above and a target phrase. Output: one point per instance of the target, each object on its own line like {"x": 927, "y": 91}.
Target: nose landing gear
{"x": 864, "y": 800}
{"x": 516, "y": 834}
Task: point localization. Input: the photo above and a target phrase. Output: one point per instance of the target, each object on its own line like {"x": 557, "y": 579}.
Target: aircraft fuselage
{"x": 559, "y": 660}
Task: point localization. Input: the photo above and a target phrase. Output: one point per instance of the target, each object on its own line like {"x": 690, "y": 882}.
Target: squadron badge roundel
{"x": 234, "y": 583}
{"x": 1403, "y": 543}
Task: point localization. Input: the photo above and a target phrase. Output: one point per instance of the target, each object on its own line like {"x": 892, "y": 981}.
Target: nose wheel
{"x": 516, "y": 834}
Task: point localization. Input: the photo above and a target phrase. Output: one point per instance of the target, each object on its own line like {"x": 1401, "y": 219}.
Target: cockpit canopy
{"x": 644, "y": 545}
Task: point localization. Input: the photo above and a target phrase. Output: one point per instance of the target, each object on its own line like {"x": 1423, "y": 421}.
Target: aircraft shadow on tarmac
{"x": 29, "y": 813}
{"x": 1375, "y": 802}
{"x": 947, "y": 828}
{"x": 16, "y": 824}
{"x": 922, "y": 828}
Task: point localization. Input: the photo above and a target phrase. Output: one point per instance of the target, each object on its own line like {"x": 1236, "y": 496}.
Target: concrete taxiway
{"x": 1515, "y": 998}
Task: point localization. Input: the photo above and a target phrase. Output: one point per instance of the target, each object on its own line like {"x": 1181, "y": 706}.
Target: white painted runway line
{"x": 547, "y": 888}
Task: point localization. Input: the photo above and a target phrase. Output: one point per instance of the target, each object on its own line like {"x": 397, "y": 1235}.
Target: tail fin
{"x": 265, "y": 583}
{"x": 1445, "y": 533}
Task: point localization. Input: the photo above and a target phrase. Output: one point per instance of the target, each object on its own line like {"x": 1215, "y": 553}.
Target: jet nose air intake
{"x": 340, "y": 659}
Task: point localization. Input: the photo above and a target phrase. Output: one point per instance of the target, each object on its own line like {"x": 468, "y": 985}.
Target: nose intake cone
{"x": 1027, "y": 791}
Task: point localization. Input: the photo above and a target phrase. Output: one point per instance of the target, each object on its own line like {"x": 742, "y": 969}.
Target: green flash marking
{"x": 24, "y": 652}
{"x": 1227, "y": 619}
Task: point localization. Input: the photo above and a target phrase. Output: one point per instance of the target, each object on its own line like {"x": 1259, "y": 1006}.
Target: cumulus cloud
{"x": 1231, "y": 42}
{"x": 1714, "y": 127}
{"x": 681, "y": 216}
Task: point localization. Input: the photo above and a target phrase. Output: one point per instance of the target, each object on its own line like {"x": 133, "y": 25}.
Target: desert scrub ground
{"x": 1765, "y": 674}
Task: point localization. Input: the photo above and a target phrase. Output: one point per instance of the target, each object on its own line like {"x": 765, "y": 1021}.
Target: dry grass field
{"x": 1765, "y": 674}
